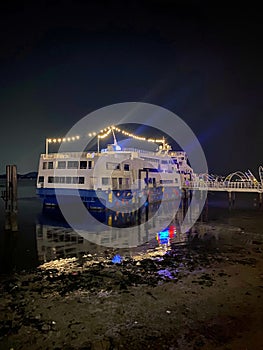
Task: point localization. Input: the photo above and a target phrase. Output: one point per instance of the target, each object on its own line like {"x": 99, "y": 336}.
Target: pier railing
{"x": 228, "y": 186}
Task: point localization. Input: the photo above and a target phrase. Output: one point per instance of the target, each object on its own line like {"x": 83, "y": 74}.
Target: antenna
{"x": 114, "y": 137}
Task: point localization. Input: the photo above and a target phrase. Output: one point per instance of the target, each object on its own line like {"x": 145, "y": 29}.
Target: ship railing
{"x": 162, "y": 153}
{"x": 64, "y": 155}
{"x": 137, "y": 150}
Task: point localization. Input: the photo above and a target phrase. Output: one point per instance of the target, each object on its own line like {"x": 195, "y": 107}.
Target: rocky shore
{"x": 206, "y": 293}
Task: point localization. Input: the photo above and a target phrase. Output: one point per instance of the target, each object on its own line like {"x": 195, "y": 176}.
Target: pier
{"x": 233, "y": 183}
{"x": 234, "y": 186}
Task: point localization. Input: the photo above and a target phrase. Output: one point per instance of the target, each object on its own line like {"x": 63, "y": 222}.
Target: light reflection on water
{"x": 45, "y": 236}
{"x": 57, "y": 240}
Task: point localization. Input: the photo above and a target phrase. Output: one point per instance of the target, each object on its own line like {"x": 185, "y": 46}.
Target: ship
{"x": 113, "y": 176}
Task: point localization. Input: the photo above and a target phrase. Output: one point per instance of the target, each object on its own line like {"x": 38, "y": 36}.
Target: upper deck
{"x": 133, "y": 151}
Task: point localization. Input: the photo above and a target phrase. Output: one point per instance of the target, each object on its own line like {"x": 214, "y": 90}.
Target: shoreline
{"x": 205, "y": 294}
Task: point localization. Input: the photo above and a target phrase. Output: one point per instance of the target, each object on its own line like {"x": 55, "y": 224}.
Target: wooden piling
{"x": 11, "y": 198}
{"x": 233, "y": 199}
{"x": 230, "y": 199}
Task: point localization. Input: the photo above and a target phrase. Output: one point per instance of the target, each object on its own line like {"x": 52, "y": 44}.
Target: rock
{"x": 45, "y": 327}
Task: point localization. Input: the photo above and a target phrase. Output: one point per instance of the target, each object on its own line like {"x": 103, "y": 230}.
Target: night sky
{"x": 60, "y": 60}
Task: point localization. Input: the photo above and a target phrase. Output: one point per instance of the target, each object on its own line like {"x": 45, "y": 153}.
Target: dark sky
{"x": 60, "y": 60}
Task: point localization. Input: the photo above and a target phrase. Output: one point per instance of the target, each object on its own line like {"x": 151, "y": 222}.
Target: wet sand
{"x": 204, "y": 294}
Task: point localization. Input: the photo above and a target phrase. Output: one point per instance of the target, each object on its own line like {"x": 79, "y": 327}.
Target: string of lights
{"x": 63, "y": 139}
{"x": 60, "y": 140}
{"x": 102, "y": 134}
{"x": 105, "y": 132}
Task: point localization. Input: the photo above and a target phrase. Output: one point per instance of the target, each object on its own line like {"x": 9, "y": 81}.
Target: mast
{"x": 114, "y": 137}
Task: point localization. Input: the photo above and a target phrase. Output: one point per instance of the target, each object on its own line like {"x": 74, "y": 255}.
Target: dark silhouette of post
{"x": 11, "y": 198}
{"x": 260, "y": 199}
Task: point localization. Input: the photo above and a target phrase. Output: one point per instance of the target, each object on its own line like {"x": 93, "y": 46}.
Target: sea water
{"x": 44, "y": 235}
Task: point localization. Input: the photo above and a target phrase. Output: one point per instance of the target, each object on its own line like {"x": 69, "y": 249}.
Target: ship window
{"x": 73, "y": 164}
{"x": 51, "y": 179}
{"x": 120, "y": 182}
{"x": 80, "y": 240}
{"x": 75, "y": 180}
{"x": 62, "y": 179}
{"x": 176, "y": 181}
{"x": 68, "y": 180}
{"x": 50, "y": 165}
{"x": 166, "y": 181}
{"x": 83, "y": 164}
{"x": 105, "y": 181}
{"x": 126, "y": 167}
{"x": 44, "y": 165}
{"x": 90, "y": 164}
{"x": 114, "y": 183}
{"x": 112, "y": 166}
{"x": 164, "y": 162}
{"x": 40, "y": 179}
{"x": 61, "y": 164}
{"x": 81, "y": 180}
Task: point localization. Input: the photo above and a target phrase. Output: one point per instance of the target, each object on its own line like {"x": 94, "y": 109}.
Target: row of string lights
{"x": 104, "y": 133}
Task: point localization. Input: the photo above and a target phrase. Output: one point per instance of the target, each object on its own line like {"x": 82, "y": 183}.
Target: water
{"x": 45, "y": 236}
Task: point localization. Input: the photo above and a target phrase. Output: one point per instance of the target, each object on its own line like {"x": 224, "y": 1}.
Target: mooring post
{"x": 260, "y": 199}
{"x": 233, "y": 199}
{"x": 7, "y": 199}
{"x": 230, "y": 199}
{"x": 11, "y": 198}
